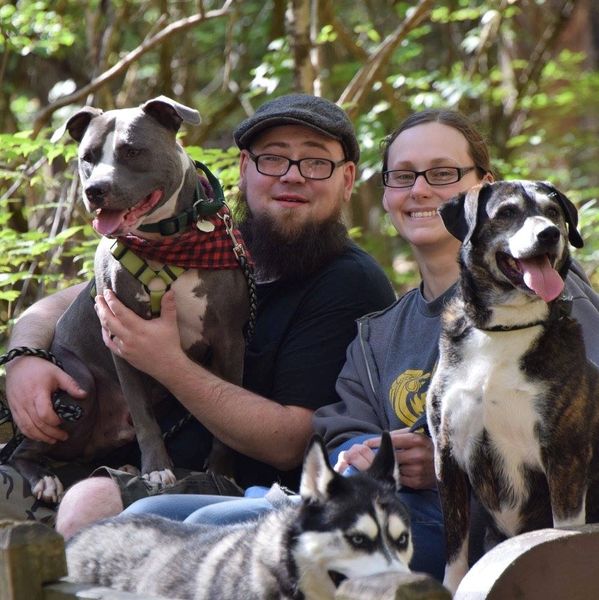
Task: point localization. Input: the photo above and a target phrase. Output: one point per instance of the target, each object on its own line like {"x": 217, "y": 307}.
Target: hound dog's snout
{"x": 549, "y": 236}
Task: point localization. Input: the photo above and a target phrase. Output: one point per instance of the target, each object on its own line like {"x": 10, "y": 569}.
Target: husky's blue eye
{"x": 357, "y": 539}
{"x": 402, "y": 541}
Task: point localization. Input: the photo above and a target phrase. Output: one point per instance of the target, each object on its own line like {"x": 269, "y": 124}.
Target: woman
{"x": 432, "y": 156}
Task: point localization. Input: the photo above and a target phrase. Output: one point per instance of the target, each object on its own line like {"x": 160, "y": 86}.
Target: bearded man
{"x": 297, "y": 170}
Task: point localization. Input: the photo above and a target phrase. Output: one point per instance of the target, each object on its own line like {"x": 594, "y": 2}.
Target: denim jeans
{"x": 423, "y": 506}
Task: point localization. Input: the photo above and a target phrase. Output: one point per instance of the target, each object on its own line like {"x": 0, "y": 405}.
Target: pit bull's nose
{"x": 549, "y": 235}
{"x": 97, "y": 193}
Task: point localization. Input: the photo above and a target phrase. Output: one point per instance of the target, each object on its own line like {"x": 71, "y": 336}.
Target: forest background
{"x": 525, "y": 71}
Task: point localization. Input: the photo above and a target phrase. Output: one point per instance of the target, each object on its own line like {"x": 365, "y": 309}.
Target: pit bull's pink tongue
{"x": 542, "y": 278}
{"x": 108, "y": 221}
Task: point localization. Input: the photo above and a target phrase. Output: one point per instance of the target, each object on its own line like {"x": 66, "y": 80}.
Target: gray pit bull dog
{"x": 144, "y": 192}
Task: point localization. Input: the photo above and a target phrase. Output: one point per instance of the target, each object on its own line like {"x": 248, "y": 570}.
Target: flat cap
{"x": 317, "y": 113}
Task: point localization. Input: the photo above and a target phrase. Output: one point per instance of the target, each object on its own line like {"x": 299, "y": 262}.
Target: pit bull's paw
{"x": 130, "y": 469}
{"x": 48, "y": 489}
{"x": 164, "y": 478}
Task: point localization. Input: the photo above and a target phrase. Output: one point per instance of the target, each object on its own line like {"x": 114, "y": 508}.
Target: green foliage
{"x": 538, "y": 109}
{"x": 32, "y": 27}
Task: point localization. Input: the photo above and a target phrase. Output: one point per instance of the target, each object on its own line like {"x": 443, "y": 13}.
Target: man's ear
{"x": 349, "y": 178}
{"x": 244, "y": 161}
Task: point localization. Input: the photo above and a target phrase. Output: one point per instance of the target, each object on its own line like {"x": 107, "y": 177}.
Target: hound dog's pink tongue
{"x": 109, "y": 221}
{"x": 541, "y": 277}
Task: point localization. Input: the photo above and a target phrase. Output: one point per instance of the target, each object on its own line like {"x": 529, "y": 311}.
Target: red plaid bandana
{"x": 193, "y": 249}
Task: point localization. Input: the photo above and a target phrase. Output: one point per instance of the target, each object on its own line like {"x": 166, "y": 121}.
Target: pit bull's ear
{"x": 570, "y": 212}
{"x": 77, "y": 124}
{"x": 170, "y": 113}
{"x": 460, "y": 214}
{"x": 317, "y": 473}
{"x": 384, "y": 466}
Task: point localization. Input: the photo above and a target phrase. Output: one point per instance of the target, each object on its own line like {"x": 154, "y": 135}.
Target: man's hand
{"x": 413, "y": 451}
{"x": 30, "y": 383}
{"x": 152, "y": 346}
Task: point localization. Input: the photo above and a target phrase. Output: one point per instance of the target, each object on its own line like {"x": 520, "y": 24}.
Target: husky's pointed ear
{"x": 460, "y": 214}
{"x": 170, "y": 113}
{"x": 570, "y": 212}
{"x": 317, "y": 473}
{"x": 384, "y": 466}
{"x": 77, "y": 124}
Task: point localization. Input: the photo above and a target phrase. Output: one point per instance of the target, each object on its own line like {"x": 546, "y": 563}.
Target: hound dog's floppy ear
{"x": 570, "y": 213}
{"x": 461, "y": 214}
{"x": 77, "y": 124}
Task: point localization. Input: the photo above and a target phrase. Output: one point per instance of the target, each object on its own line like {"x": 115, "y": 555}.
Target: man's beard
{"x": 282, "y": 253}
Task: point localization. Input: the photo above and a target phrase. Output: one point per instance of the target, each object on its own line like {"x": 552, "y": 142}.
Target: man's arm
{"x": 31, "y": 381}
{"x": 255, "y": 426}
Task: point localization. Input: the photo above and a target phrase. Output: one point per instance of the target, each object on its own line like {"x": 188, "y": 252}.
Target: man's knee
{"x": 86, "y": 502}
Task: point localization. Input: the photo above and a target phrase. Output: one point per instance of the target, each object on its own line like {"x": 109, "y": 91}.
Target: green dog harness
{"x": 155, "y": 282}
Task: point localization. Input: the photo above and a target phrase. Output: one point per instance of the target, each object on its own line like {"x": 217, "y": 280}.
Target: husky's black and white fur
{"x": 513, "y": 404}
{"x": 344, "y": 527}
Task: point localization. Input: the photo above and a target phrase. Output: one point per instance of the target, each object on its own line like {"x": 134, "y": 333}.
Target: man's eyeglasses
{"x": 309, "y": 168}
{"x": 402, "y": 178}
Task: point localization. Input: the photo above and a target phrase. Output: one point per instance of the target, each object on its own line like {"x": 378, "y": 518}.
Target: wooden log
{"x": 539, "y": 565}
{"x": 31, "y": 554}
{"x": 392, "y": 586}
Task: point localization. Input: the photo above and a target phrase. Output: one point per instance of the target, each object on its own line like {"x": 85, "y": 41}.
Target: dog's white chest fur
{"x": 492, "y": 394}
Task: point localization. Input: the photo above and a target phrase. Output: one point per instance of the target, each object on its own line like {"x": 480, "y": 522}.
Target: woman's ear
{"x": 385, "y": 203}
{"x": 488, "y": 178}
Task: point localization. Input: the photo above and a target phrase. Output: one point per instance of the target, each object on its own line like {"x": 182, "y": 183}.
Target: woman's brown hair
{"x": 477, "y": 147}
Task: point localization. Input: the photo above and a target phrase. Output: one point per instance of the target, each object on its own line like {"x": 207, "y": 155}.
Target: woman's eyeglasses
{"x": 403, "y": 178}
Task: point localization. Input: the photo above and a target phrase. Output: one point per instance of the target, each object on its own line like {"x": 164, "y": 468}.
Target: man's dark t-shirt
{"x": 302, "y": 332}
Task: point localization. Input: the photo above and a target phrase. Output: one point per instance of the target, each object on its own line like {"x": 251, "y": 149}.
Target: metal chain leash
{"x": 246, "y": 267}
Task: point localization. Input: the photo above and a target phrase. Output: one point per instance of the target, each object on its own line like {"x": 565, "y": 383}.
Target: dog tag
{"x": 205, "y": 226}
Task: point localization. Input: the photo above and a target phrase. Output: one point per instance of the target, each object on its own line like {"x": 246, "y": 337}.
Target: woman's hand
{"x": 152, "y": 346}
{"x": 413, "y": 452}
{"x": 415, "y": 456}
{"x": 358, "y": 456}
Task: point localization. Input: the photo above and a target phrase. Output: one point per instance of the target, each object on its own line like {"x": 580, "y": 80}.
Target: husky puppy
{"x": 513, "y": 406}
{"x": 343, "y": 527}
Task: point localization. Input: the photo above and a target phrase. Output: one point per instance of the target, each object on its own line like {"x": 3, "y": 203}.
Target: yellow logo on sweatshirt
{"x": 405, "y": 396}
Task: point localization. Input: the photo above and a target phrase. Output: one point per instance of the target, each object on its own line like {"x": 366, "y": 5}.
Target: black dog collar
{"x": 201, "y": 207}
{"x": 560, "y": 308}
